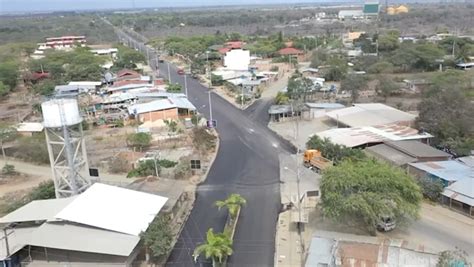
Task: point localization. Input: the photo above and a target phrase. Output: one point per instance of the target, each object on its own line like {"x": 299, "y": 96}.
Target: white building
{"x": 237, "y": 59}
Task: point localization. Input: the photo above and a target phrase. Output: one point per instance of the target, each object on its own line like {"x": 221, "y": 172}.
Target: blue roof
{"x": 320, "y": 252}
{"x": 449, "y": 170}
{"x": 325, "y": 105}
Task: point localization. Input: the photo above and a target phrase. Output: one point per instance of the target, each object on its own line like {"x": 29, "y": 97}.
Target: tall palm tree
{"x": 233, "y": 203}
{"x": 218, "y": 247}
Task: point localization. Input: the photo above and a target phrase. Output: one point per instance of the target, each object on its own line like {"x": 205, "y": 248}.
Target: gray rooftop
{"x": 320, "y": 252}
{"x": 390, "y": 154}
{"x": 417, "y": 149}
{"x": 462, "y": 191}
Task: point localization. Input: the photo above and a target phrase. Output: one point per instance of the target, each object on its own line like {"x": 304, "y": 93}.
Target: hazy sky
{"x": 9, "y": 6}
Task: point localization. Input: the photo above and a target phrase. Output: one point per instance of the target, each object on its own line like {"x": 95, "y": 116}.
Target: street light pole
{"x": 210, "y": 106}
{"x": 185, "y": 85}
{"x": 169, "y": 73}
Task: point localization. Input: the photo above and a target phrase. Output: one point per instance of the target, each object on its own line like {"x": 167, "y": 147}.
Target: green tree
{"x": 4, "y": 89}
{"x": 216, "y": 80}
{"x": 385, "y": 87}
{"x": 334, "y": 152}
{"x": 139, "y": 140}
{"x": 128, "y": 58}
{"x": 45, "y": 87}
{"x": 389, "y": 41}
{"x": 145, "y": 168}
{"x": 174, "y": 88}
{"x": 381, "y": 67}
{"x": 363, "y": 192}
{"x": 431, "y": 189}
{"x": 232, "y": 203}
{"x": 172, "y": 125}
{"x": 337, "y": 70}
{"x": 9, "y": 73}
{"x": 158, "y": 237}
{"x": 7, "y": 133}
{"x": 318, "y": 58}
{"x": 447, "y": 114}
{"x": 281, "y": 98}
{"x": 354, "y": 83}
{"x": 217, "y": 248}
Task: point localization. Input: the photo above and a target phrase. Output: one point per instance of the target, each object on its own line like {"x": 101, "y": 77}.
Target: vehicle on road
{"x": 314, "y": 160}
{"x": 180, "y": 71}
{"x": 386, "y": 224}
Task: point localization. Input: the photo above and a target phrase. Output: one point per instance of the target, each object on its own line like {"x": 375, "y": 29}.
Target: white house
{"x": 237, "y": 59}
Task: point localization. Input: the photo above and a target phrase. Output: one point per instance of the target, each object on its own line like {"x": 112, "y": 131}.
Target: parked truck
{"x": 314, "y": 160}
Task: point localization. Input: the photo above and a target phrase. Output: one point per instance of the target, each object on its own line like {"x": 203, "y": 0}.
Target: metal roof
{"x": 390, "y": 154}
{"x": 161, "y": 104}
{"x": 325, "y": 105}
{"x": 66, "y": 236}
{"x": 352, "y": 137}
{"x": 38, "y": 210}
{"x": 369, "y": 115}
{"x": 17, "y": 239}
{"x": 417, "y": 149}
{"x": 468, "y": 160}
{"x": 448, "y": 170}
{"x": 462, "y": 191}
{"x": 321, "y": 252}
{"x": 113, "y": 208}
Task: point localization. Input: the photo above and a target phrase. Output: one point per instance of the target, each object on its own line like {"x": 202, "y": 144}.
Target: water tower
{"x": 66, "y": 146}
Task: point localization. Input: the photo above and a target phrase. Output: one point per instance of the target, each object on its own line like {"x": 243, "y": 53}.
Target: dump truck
{"x": 314, "y": 160}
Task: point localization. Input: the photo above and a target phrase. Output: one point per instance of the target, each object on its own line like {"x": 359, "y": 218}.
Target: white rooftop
{"x": 30, "y": 127}
{"x": 113, "y": 208}
{"x": 39, "y": 210}
{"x": 369, "y": 115}
{"x": 161, "y": 104}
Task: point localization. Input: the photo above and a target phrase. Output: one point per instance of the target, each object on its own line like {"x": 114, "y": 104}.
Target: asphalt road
{"x": 246, "y": 163}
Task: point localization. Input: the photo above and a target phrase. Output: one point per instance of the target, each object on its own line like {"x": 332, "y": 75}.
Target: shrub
{"x": 8, "y": 169}
{"x": 381, "y": 67}
{"x": 167, "y": 163}
{"x": 139, "y": 140}
{"x": 203, "y": 140}
{"x": 431, "y": 189}
{"x": 119, "y": 165}
{"x": 182, "y": 170}
{"x": 145, "y": 168}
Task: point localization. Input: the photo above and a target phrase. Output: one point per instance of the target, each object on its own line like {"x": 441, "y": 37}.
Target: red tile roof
{"x": 223, "y": 50}
{"x": 127, "y": 72}
{"x": 289, "y": 51}
{"x": 234, "y": 44}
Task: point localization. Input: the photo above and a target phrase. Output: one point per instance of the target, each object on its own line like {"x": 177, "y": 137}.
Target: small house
{"x": 162, "y": 109}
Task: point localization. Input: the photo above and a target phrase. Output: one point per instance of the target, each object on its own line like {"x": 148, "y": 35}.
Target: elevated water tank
{"x": 60, "y": 112}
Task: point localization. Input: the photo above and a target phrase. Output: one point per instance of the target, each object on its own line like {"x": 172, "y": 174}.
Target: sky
{"x": 16, "y": 6}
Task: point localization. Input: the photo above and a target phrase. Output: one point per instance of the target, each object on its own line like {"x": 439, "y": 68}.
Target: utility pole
{"x": 210, "y": 106}
{"x": 185, "y": 85}
{"x": 169, "y": 73}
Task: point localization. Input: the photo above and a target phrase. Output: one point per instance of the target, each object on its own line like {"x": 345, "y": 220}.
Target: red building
{"x": 65, "y": 41}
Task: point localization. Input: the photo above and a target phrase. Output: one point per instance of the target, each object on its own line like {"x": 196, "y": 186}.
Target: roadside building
{"x": 350, "y": 14}
{"x": 319, "y": 110}
{"x": 280, "y": 113}
{"x": 100, "y": 227}
{"x": 290, "y": 51}
{"x": 237, "y": 59}
{"x": 29, "y": 128}
{"x": 447, "y": 172}
{"x": 86, "y": 86}
{"x": 163, "y": 109}
{"x": 400, "y": 153}
{"x": 331, "y": 249}
{"x": 370, "y": 114}
{"x": 371, "y": 135}
{"x": 371, "y": 8}
{"x": 460, "y": 196}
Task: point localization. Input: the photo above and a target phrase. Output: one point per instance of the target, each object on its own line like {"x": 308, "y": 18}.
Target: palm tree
{"x": 218, "y": 247}
{"x": 233, "y": 203}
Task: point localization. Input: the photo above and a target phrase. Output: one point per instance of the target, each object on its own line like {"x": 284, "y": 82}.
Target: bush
{"x": 145, "y": 168}
{"x": 8, "y": 169}
{"x": 167, "y": 163}
{"x": 431, "y": 189}
{"x": 139, "y": 140}
{"x": 381, "y": 67}
{"x": 183, "y": 170}
{"x": 158, "y": 237}
{"x": 217, "y": 80}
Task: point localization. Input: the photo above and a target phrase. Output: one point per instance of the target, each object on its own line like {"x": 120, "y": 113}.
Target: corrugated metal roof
{"x": 68, "y": 236}
{"x": 468, "y": 160}
{"x": 113, "y": 208}
{"x": 462, "y": 191}
{"x": 38, "y": 210}
{"x": 321, "y": 252}
{"x": 449, "y": 170}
